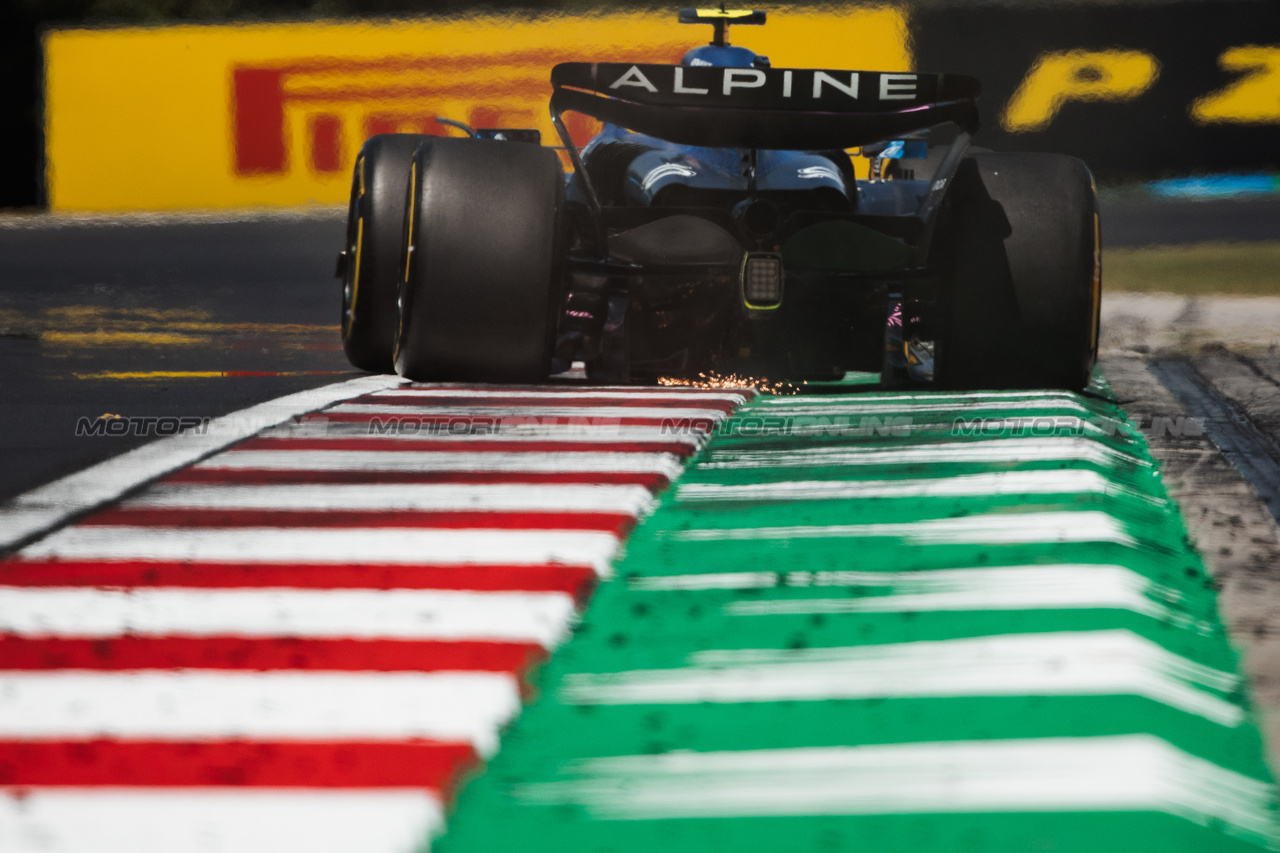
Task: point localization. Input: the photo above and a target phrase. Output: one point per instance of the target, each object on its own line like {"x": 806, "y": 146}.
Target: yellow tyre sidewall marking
{"x": 1096, "y": 285}
{"x": 413, "y": 210}
{"x": 412, "y": 213}
{"x": 349, "y": 319}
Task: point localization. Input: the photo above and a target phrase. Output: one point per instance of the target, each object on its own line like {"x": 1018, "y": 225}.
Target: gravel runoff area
{"x": 1187, "y": 324}
{"x": 1231, "y": 345}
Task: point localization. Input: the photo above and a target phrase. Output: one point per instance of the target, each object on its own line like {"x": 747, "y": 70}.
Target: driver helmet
{"x": 724, "y": 56}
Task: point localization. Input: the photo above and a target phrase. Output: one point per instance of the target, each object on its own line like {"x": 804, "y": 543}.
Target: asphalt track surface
{"x": 81, "y": 300}
{"x": 130, "y": 315}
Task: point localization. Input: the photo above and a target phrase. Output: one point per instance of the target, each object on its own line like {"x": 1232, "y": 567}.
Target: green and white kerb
{"x": 894, "y": 622}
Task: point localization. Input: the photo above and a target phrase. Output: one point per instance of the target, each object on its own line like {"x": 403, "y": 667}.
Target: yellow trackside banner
{"x": 202, "y": 117}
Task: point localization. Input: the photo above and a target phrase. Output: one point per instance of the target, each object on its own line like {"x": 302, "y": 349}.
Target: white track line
{"x": 493, "y": 429}
{"x": 600, "y": 392}
{"x": 1050, "y": 587}
{"x": 928, "y": 406}
{"x": 216, "y": 820}
{"x": 1089, "y": 663}
{"x": 970, "y": 399}
{"x": 667, "y": 464}
{"x": 708, "y": 580}
{"x": 552, "y": 497}
{"x": 930, "y": 423}
{"x": 625, "y": 392}
{"x": 353, "y": 546}
{"x": 992, "y": 485}
{"x": 583, "y": 414}
{"x": 1126, "y": 773}
{"x": 540, "y": 617}
{"x": 990, "y": 451}
{"x": 76, "y": 704}
{"x": 987, "y": 529}
{"x": 1018, "y": 588}
{"x": 49, "y": 506}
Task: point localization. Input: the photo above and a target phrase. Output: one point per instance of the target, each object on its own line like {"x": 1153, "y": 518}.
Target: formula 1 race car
{"x": 719, "y": 224}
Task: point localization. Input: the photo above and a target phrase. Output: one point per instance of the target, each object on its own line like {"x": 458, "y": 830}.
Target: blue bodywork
{"x": 661, "y": 165}
{"x": 657, "y": 165}
{"x": 676, "y": 224}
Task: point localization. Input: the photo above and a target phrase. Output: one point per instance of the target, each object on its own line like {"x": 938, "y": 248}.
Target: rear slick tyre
{"x": 375, "y": 231}
{"x": 1020, "y": 251}
{"x": 482, "y": 270}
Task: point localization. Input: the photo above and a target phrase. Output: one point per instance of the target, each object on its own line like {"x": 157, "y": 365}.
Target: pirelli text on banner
{"x": 274, "y": 114}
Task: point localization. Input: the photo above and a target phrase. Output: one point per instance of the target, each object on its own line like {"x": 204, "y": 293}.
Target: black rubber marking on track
{"x": 1252, "y": 451}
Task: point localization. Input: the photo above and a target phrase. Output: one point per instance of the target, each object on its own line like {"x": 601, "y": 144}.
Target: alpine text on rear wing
{"x": 763, "y": 107}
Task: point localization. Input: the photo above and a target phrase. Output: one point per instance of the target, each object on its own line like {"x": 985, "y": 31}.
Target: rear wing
{"x": 777, "y": 108}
